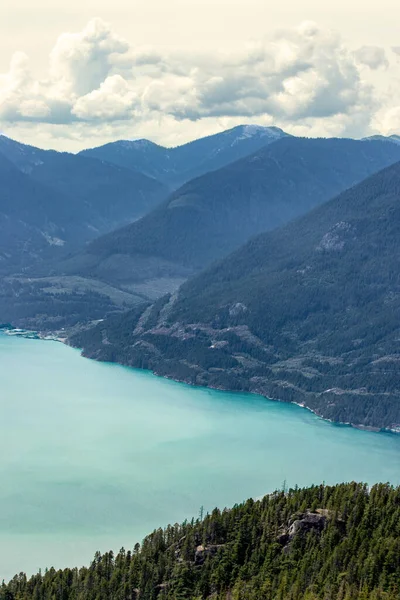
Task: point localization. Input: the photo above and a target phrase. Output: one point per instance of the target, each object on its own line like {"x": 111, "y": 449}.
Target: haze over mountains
{"x": 212, "y": 215}
{"x": 91, "y": 193}
{"x": 395, "y": 139}
{"x": 306, "y": 313}
{"x": 54, "y": 200}
{"x": 81, "y": 198}
{"x": 302, "y": 313}
{"x": 27, "y": 220}
{"x": 175, "y": 166}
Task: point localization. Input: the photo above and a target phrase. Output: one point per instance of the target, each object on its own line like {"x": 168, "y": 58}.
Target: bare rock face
{"x": 335, "y": 239}
{"x": 302, "y": 524}
{"x": 237, "y": 309}
{"x": 307, "y": 522}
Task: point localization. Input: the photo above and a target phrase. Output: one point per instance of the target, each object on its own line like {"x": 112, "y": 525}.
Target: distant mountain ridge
{"x": 175, "y": 166}
{"x": 203, "y": 221}
{"x": 395, "y": 139}
{"x": 307, "y": 313}
{"x": 88, "y": 197}
{"x": 212, "y": 215}
{"x": 92, "y": 196}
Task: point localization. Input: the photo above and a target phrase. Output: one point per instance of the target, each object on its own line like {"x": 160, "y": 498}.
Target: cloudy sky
{"x": 78, "y": 73}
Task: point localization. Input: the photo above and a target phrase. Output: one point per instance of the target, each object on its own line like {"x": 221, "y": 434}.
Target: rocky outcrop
{"x": 302, "y": 524}
{"x": 203, "y": 551}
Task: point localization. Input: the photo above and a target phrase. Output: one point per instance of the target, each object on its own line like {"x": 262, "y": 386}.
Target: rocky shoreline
{"x": 220, "y": 388}
{"x": 57, "y": 337}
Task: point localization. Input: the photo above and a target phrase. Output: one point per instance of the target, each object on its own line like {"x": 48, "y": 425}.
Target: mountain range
{"x": 97, "y": 191}
{"x": 212, "y": 215}
{"x": 52, "y": 201}
{"x": 288, "y": 293}
{"x": 307, "y": 313}
{"x": 62, "y": 201}
{"x": 395, "y": 139}
{"x": 175, "y": 166}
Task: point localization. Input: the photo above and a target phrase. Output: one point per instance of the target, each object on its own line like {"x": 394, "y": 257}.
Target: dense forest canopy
{"x": 320, "y": 543}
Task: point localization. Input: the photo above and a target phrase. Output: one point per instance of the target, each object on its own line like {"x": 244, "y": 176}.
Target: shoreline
{"x": 36, "y": 335}
{"x": 30, "y": 334}
{"x": 360, "y": 427}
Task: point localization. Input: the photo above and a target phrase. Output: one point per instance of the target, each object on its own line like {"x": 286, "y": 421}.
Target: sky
{"x": 80, "y": 73}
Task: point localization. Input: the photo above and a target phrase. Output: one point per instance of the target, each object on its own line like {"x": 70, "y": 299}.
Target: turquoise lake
{"x": 95, "y": 456}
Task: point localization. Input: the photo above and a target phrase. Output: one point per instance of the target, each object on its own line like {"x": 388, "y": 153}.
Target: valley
{"x": 239, "y": 297}
{"x": 199, "y": 223}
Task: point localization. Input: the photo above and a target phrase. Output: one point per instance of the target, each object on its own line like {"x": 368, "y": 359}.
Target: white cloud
{"x": 387, "y": 120}
{"x": 14, "y": 86}
{"x": 299, "y": 74}
{"x": 373, "y": 57}
{"x": 81, "y": 70}
{"x": 303, "y": 79}
{"x": 82, "y": 61}
{"x": 34, "y": 109}
{"x": 114, "y": 99}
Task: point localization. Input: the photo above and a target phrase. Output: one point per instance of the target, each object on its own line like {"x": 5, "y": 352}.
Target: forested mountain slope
{"x": 214, "y": 214}
{"x": 175, "y": 166}
{"x": 205, "y": 220}
{"x": 72, "y": 199}
{"x": 30, "y": 221}
{"x": 337, "y": 543}
{"x": 306, "y": 313}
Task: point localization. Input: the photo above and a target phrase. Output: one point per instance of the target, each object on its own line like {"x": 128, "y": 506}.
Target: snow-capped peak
{"x": 249, "y": 131}
{"x": 142, "y": 143}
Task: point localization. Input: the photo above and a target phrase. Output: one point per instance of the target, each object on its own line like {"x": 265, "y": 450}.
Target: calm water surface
{"x": 94, "y": 456}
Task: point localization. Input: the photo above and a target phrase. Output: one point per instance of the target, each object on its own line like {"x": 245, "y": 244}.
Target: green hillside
{"x": 319, "y": 543}
{"x": 212, "y": 215}
{"x": 307, "y": 313}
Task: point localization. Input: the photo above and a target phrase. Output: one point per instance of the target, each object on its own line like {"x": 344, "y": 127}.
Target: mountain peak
{"x": 394, "y": 139}
{"x": 261, "y": 130}
{"x": 256, "y": 131}
{"x": 174, "y": 166}
{"x": 141, "y": 143}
